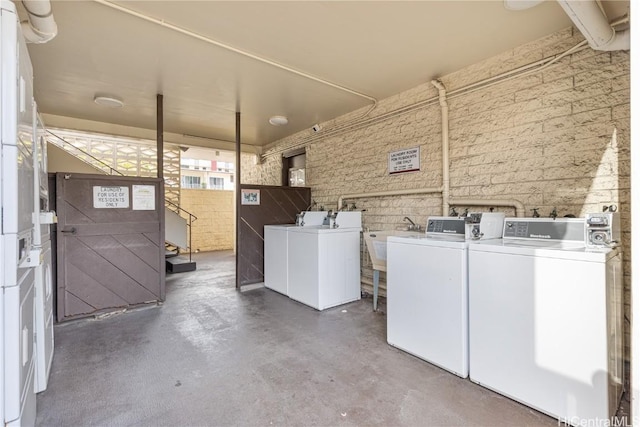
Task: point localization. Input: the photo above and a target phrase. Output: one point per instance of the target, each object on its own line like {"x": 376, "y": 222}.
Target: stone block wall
{"x": 214, "y": 230}
{"x": 554, "y": 138}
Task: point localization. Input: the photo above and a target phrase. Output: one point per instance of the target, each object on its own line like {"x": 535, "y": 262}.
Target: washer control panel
{"x": 445, "y": 225}
{"x": 565, "y": 229}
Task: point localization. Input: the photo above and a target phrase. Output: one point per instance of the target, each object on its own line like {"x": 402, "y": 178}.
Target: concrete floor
{"x": 212, "y": 356}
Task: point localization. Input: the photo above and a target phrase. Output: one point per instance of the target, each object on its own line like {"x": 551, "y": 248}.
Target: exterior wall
{"x": 214, "y": 230}
{"x": 558, "y": 138}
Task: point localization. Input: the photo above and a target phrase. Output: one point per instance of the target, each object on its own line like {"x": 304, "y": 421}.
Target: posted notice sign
{"x": 110, "y": 197}
{"x": 402, "y": 161}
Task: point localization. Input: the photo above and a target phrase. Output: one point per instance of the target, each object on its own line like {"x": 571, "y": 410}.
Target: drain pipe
{"x": 388, "y": 193}
{"x": 40, "y": 27}
{"x": 442, "y": 96}
{"x": 509, "y": 203}
{"x": 446, "y": 200}
{"x": 594, "y": 26}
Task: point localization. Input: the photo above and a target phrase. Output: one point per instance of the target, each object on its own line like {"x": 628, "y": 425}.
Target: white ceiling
{"x": 375, "y": 48}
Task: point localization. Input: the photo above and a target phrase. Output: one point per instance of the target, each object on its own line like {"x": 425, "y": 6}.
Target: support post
{"x": 238, "y": 198}
{"x": 160, "y": 135}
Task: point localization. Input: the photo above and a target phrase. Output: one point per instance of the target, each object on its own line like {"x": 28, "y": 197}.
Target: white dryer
{"x": 545, "y": 319}
{"x": 44, "y": 318}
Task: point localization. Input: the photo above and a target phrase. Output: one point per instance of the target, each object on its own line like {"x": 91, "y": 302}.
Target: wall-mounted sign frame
{"x": 250, "y": 197}
{"x": 143, "y": 197}
{"x": 405, "y": 160}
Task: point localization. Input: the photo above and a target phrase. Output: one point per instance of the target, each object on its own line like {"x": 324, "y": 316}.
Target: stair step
{"x": 179, "y": 265}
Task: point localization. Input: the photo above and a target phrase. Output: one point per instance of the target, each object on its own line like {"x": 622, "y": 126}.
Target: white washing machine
{"x": 17, "y": 196}
{"x": 545, "y": 319}
{"x": 276, "y": 251}
{"x": 427, "y": 289}
{"x": 324, "y": 262}
{"x": 276, "y": 244}
{"x": 427, "y": 294}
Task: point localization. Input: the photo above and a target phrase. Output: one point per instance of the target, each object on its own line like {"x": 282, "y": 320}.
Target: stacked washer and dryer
{"x": 43, "y": 218}
{"x": 26, "y": 339}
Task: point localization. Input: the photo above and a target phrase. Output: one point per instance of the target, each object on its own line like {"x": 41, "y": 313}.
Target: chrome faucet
{"x": 413, "y": 225}
{"x": 406, "y": 218}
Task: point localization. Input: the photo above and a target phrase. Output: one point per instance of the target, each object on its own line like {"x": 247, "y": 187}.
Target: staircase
{"x": 177, "y": 227}
{"x": 177, "y": 230}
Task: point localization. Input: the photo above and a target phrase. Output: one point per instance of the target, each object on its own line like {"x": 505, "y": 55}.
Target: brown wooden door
{"x": 110, "y": 243}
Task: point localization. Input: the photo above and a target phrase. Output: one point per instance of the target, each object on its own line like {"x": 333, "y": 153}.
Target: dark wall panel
{"x": 278, "y": 205}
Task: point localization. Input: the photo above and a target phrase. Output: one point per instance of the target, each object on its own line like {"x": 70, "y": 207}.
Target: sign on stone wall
{"x": 405, "y": 160}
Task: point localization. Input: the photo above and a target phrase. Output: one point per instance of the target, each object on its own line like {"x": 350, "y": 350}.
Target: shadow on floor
{"x": 213, "y": 356}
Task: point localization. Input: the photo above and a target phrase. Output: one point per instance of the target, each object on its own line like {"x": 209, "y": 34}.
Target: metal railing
{"x": 112, "y": 171}
{"x": 192, "y": 218}
{"x": 63, "y": 142}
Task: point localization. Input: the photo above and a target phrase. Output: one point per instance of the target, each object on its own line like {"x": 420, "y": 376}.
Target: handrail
{"x": 111, "y": 169}
{"x": 192, "y": 217}
{"x": 181, "y": 209}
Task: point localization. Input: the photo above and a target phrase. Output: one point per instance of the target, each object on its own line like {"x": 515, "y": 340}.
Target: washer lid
{"x": 545, "y": 249}
{"x": 444, "y": 241}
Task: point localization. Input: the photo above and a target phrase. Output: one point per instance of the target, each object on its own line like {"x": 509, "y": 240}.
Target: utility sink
{"x": 377, "y": 245}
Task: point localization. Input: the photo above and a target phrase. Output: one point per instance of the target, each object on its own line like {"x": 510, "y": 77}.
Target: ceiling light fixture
{"x": 520, "y": 4}
{"x": 108, "y": 101}
{"x": 278, "y": 120}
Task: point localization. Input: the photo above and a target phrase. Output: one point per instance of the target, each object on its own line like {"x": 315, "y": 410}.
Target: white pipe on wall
{"x": 444, "y": 107}
{"x": 40, "y": 27}
{"x": 444, "y": 189}
{"x": 594, "y": 26}
{"x": 388, "y": 193}
{"x": 230, "y": 48}
{"x": 509, "y": 203}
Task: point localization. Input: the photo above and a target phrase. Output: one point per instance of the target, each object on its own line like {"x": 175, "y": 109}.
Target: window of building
{"x": 190, "y": 181}
{"x": 216, "y": 183}
{"x": 293, "y": 168}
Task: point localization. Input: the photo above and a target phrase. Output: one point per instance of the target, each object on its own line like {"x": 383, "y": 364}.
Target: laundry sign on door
{"x": 110, "y": 197}
{"x": 405, "y": 160}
